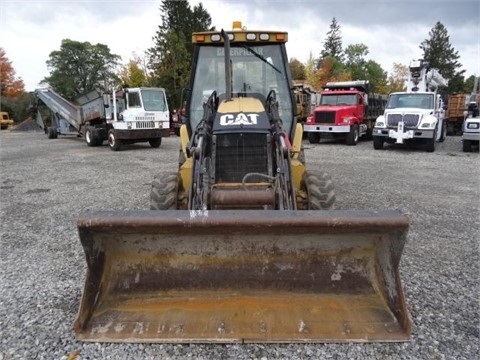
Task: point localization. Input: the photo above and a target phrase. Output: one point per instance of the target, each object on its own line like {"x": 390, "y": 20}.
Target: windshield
{"x": 256, "y": 69}
{"x": 346, "y": 99}
{"x": 419, "y": 101}
{"x": 154, "y": 100}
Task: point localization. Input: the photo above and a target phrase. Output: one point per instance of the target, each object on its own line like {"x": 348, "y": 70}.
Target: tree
{"x": 170, "y": 57}
{"x": 333, "y": 43}
{"x": 80, "y": 67}
{"x": 11, "y": 86}
{"x": 331, "y": 69}
{"x": 439, "y": 53}
{"x": 356, "y": 62}
{"x": 297, "y": 69}
{"x": 133, "y": 74}
{"x": 396, "y": 81}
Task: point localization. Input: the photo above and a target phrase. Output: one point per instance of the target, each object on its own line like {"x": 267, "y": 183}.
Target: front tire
{"x": 378, "y": 142}
{"x": 155, "y": 143}
{"x": 164, "y": 193}
{"x": 114, "y": 143}
{"x": 352, "y": 136}
{"x": 313, "y": 137}
{"x": 89, "y": 136}
{"x": 430, "y": 147}
{"x": 467, "y": 146}
{"x": 319, "y": 189}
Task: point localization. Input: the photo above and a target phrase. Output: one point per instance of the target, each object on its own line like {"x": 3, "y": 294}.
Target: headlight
{"x": 427, "y": 125}
{"x": 473, "y": 125}
{"x": 380, "y": 122}
{"x": 346, "y": 120}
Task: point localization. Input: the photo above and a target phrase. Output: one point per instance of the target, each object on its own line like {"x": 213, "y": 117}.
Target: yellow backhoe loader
{"x": 241, "y": 243}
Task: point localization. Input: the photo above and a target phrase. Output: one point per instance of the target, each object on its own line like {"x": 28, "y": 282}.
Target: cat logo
{"x": 238, "y": 119}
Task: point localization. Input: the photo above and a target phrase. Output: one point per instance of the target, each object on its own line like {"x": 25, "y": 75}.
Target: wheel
{"x": 444, "y": 132}
{"x": 352, "y": 136}
{"x": 155, "y": 143}
{"x": 177, "y": 131}
{"x": 164, "y": 193}
{"x": 313, "y": 137}
{"x": 52, "y": 133}
{"x": 89, "y": 136}
{"x": 430, "y": 147}
{"x": 319, "y": 189}
{"x": 467, "y": 146}
{"x": 114, "y": 143}
{"x": 97, "y": 137}
{"x": 378, "y": 142}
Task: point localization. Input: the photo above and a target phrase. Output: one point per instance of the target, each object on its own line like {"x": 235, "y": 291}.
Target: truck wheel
{"x": 313, "y": 137}
{"x": 98, "y": 137}
{"x": 430, "y": 147}
{"x": 155, "y": 143}
{"x": 164, "y": 193}
{"x": 89, "y": 137}
{"x": 444, "y": 133}
{"x": 320, "y": 190}
{"x": 52, "y": 133}
{"x": 114, "y": 143}
{"x": 378, "y": 142}
{"x": 467, "y": 146}
{"x": 352, "y": 136}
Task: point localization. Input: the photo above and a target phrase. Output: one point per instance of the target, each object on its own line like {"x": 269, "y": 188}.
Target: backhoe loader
{"x": 241, "y": 244}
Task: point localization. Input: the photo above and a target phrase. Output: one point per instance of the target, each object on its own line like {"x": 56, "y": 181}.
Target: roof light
{"x": 251, "y": 36}
{"x": 237, "y": 25}
{"x": 215, "y": 37}
{"x": 280, "y": 37}
{"x": 264, "y": 37}
{"x": 200, "y": 37}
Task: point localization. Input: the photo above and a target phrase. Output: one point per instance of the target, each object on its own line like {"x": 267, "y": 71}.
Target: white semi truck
{"x": 122, "y": 117}
{"x": 416, "y": 114}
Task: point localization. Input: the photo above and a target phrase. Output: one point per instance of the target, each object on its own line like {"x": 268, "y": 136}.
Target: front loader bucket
{"x": 243, "y": 276}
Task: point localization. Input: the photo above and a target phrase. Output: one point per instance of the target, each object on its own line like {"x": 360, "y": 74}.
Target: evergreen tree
{"x": 170, "y": 57}
{"x": 439, "y": 53}
{"x": 333, "y": 43}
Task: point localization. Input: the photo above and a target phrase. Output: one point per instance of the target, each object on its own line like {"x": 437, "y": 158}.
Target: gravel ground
{"x": 45, "y": 184}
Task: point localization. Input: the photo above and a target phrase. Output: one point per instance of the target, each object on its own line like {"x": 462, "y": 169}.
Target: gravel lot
{"x": 45, "y": 184}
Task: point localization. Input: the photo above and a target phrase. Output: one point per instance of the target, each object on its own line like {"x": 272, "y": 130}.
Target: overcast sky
{"x": 392, "y": 30}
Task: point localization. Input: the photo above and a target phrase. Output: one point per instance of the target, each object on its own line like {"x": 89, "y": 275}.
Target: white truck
{"x": 416, "y": 114}
{"x": 127, "y": 116}
{"x": 471, "y": 124}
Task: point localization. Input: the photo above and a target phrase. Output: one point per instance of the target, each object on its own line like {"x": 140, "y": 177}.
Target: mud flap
{"x": 243, "y": 276}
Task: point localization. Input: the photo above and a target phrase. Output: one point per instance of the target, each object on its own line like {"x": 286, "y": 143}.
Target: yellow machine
{"x": 5, "y": 120}
{"x": 241, "y": 244}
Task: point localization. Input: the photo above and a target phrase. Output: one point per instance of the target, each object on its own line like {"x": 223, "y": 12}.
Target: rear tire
{"x": 164, "y": 193}
{"x": 114, "y": 143}
{"x": 378, "y": 142}
{"x": 52, "y": 133}
{"x": 313, "y": 137}
{"x": 155, "y": 143}
{"x": 320, "y": 190}
{"x": 352, "y": 136}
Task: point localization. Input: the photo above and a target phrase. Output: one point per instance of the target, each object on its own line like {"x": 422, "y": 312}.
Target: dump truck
{"x": 347, "y": 110}
{"x": 5, "y": 120}
{"x": 241, "y": 242}
{"x": 455, "y": 113}
{"x": 306, "y": 98}
{"x": 127, "y": 116}
{"x": 416, "y": 115}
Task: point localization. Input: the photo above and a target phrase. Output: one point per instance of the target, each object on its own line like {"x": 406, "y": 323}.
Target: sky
{"x": 392, "y": 30}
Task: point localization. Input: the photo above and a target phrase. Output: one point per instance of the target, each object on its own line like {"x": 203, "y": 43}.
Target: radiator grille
{"x": 145, "y": 124}
{"x": 409, "y": 120}
{"x": 325, "y": 117}
{"x": 239, "y": 154}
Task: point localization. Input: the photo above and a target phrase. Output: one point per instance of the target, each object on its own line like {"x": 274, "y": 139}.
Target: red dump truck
{"x": 347, "y": 110}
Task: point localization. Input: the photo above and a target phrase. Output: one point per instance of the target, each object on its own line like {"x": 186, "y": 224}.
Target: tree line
{"x": 79, "y": 67}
